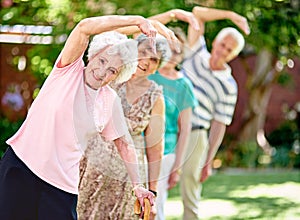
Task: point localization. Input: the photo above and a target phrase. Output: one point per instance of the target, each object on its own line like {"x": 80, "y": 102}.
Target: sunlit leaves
{"x": 275, "y": 24}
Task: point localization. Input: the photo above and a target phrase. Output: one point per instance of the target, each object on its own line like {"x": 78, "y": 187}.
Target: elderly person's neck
{"x": 216, "y": 65}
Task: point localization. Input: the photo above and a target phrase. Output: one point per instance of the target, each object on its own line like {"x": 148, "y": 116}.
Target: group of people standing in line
{"x": 140, "y": 116}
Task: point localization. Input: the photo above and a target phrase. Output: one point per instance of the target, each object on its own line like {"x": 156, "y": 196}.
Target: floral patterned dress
{"x": 105, "y": 187}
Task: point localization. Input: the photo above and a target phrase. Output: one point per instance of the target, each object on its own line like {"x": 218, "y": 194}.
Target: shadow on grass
{"x": 249, "y": 195}
{"x": 259, "y": 208}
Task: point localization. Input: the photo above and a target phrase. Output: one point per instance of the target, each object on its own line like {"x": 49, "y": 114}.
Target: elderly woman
{"x": 179, "y": 101}
{"x": 39, "y": 173}
{"x": 105, "y": 190}
{"x": 215, "y": 90}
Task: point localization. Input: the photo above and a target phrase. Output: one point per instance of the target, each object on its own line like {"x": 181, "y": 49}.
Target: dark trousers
{"x": 24, "y": 196}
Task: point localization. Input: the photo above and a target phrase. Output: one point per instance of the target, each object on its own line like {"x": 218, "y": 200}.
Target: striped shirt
{"x": 216, "y": 91}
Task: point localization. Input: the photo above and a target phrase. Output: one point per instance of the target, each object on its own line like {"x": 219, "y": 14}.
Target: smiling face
{"x": 148, "y": 62}
{"x": 102, "y": 69}
{"x": 222, "y": 50}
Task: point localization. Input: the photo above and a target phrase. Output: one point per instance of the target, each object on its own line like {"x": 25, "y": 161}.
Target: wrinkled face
{"x": 102, "y": 68}
{"x": 148, "y": 62}
{"x": 222, "y": 49}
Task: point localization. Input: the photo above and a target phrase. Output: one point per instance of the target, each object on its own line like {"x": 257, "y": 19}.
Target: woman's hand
{"x": 173, "y": 178}
{"x": 167, "y": 33}
{"x": 153, "y": 212}
{"x": 149, "y": 212}
{"x": 164, "y": 31}
{"x": 147, "y": 28}
{"x": 141, "y": 193}
{"x": 187, "y": 17}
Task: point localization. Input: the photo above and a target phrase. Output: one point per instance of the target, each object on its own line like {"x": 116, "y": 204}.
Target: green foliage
{"x": 147, "y": 8}
{"x": 286, "y": 150}
{"x": 7, "y": 128}
{"x": 285, "y": 140}
{"x": 281, "y": 158}
{"x": 285, "y": 79}
{"x": 274, "y": 24}
{"x": 284, "y": 136}
{"x": 244, "y": 155}
{"x": 26, "y": 12}
{"x": 42, "y": 58}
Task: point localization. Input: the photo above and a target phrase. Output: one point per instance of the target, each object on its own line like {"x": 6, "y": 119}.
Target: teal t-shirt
{"x": 178, "y": 95}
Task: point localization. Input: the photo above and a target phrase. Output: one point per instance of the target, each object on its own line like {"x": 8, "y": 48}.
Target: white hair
{"x": 126, "y": 48}
{"x": 162, "y": 46}
{"x": 236, "y": 35}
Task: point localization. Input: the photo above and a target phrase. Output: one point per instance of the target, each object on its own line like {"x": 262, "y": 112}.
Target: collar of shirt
{"x": 220, "y": 74}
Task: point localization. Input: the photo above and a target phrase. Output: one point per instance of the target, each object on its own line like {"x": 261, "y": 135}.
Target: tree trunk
{"x": 259, "y": 86}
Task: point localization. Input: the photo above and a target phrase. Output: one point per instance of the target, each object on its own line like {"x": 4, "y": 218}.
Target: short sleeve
{"x": 78, "y": 63}
{"x": 116, "y": 125}
{"x": 188, "y": 99}
{"x": 199, "y": 46}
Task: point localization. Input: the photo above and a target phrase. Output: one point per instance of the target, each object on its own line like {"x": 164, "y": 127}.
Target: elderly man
{"x": 215, "y": 90}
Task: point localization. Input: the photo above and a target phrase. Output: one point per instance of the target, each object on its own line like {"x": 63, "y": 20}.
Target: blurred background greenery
{"x": 269, "y": 59}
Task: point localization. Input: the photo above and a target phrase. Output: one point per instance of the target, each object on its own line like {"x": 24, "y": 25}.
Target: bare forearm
{"x": 184, "y": 125}
{"x": 180, "y": 149}
{"x": 176, "y": 14}
{"x": 79, "y": 38}
{"x": 174, "y": 176}
{"x": 165, "y": 17}
{"x": 216, "y": 135}
{"x": 128, "y": 155}
{"x": 154, "y": 157}
{"x": 96, "y": 25}
{"x": 211, "y": 14}
{"x": 154, "y": 137}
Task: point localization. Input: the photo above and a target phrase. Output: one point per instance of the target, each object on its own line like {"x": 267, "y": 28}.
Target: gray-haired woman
{"x": 105, "y": 190}
{"x": 39, "y": 173}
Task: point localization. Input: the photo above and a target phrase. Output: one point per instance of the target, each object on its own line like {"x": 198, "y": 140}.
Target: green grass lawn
{"x": 240, "y": 194}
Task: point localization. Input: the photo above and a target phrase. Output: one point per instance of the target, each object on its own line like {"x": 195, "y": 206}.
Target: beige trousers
{"x": 193, "y": 162}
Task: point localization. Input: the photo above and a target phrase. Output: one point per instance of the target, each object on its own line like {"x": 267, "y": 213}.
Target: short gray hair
{"x": 126, "y": 48}
{"x": 236, "y": 35}
{"x": 162, "y": 46}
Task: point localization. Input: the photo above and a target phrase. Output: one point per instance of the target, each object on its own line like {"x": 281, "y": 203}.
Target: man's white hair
{"x": 236, "y": 35}
{"x": 162, "y": 46}
{"x": 126, "y": 48}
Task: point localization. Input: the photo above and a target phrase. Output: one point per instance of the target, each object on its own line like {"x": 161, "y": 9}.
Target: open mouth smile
{"x": 141, "y": 68}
